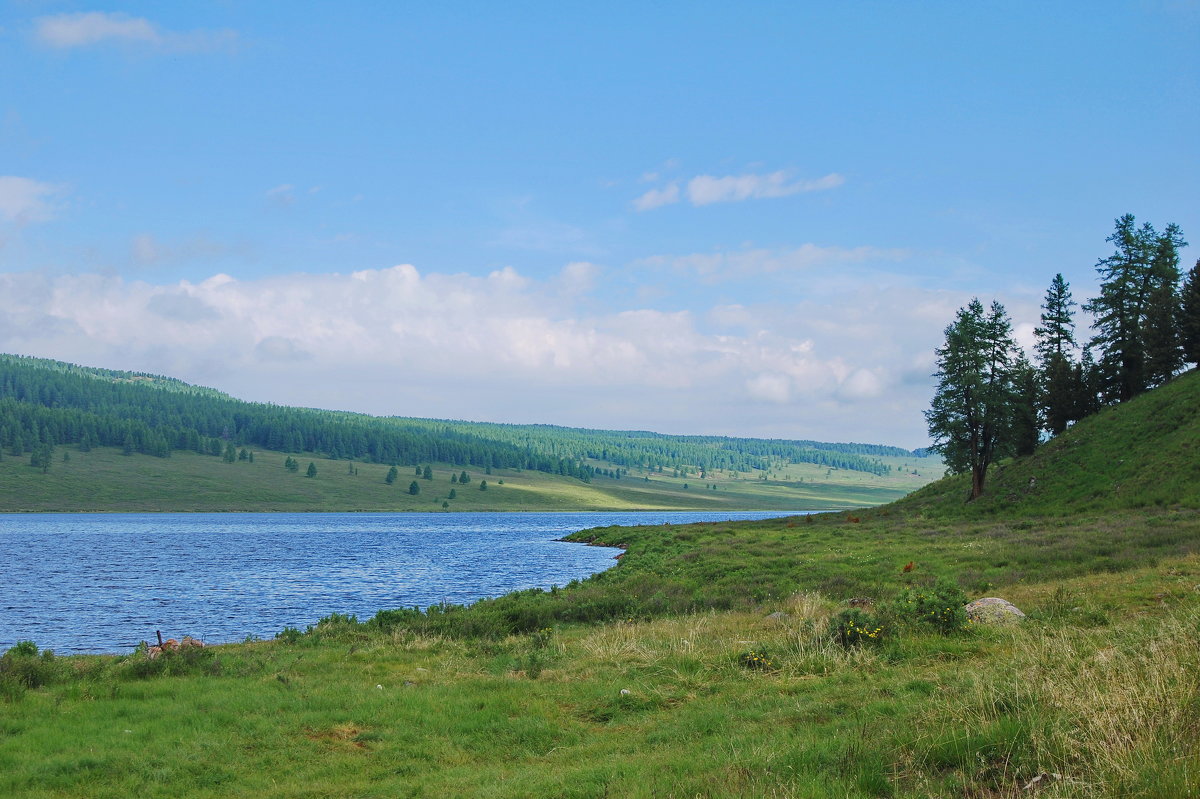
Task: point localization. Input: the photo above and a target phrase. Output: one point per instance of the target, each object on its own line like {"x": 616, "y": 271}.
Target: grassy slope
{"x": 1099, "y": 690}
{"x": 105, "y": 480}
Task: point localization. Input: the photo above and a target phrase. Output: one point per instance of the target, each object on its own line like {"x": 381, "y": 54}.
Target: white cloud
{"x": 656, "y": 198}
{"x": 709, "y": 189}
{"x": 83, "y": 29}
{"x": 23, "y": 200}
{"x": 847, "y": 363}
{"x": 706, "y": 189}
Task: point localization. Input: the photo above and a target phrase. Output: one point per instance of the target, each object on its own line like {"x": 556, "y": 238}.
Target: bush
{"x": 23, "y": 649}
{"x": 757, "y": 660}
{"x": 856, "y": 627}
{"x": 940, "y": 606}
{"x": 289, "y": 635}
{"x": 21, "y": 667}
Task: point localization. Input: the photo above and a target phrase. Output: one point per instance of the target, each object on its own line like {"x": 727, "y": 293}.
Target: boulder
{"x": 993, "y": 610}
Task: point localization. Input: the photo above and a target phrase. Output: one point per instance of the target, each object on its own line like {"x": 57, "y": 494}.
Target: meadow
{"x": 103, "y": 479}
{"x": 805, "y": 656}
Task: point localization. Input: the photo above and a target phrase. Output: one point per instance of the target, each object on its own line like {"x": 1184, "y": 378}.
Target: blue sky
{"x": 750, "y": 219}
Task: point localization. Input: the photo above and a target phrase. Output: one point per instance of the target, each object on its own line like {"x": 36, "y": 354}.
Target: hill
{"x": 193, "y": 448}
{"x": 1141, "y": 453}
{"x": 715, "y": 660}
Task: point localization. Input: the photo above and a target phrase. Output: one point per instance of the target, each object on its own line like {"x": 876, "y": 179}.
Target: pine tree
{"x": 1163, "y": 343}
{"x": 392, "y": 474}
{"x": 414, "y": 488}
{"x": 1026, "y": 418}
{"x": 312, "y": 470}
{"x": 970, "y": 418}
{"x": 1055, "y": 347}
{"x": 1136, "y": 309}
{"x": 1189, "y": 316}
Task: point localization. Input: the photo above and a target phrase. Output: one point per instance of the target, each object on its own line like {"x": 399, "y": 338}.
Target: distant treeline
{"x": 46, "y": 403}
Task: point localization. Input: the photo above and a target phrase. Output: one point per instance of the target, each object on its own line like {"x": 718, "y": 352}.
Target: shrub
{"x": 22, "y": 667}
{"x": 856, "y": 627}
{"x": 23, "y": 649}
{"x": 757, "y": 660}
{"x": 940, "y": 606}
{"x": 289, "y": 635}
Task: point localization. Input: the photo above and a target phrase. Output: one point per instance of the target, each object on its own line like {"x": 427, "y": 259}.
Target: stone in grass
{"x": 993, "y": 610}
{"x": 778, "y": 616}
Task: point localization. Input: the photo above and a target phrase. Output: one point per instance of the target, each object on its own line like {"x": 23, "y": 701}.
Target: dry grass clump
{"x": 1074, "y": 712}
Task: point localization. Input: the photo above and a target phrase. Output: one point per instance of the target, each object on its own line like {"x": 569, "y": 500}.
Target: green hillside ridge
{"x": 64, "y": 424}
{"x": 1141, "y": 453}
{"x": 713, "y": 661}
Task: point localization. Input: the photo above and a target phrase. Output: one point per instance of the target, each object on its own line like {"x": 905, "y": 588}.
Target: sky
{"x": 748, "y": 219}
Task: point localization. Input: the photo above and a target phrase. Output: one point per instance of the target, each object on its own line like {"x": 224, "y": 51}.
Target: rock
{"x": 860, "y": 602}
{"x": 624, "y": 692}
{"x": 993, "y": 610}
{"x": 778, "y": 616}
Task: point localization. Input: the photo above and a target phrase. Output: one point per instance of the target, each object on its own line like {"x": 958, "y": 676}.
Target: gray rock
{"x": 993, "y": 610}
{"x": 778, "y": 616}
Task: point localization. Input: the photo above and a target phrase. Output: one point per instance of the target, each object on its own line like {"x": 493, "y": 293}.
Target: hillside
{"x": 192, "y": 448}
{"x": 1141, "y": 453}
{"x": 716, "y": 660}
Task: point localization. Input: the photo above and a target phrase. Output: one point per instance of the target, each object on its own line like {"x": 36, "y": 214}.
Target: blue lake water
{"x": 103, "y": 582}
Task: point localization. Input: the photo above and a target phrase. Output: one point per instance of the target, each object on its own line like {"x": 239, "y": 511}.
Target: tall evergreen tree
{"x": 1189, "y": 316}
{"x": 1164, "y": 346}
{"x": 1056, "y": 334}
{"x": 1118, "y": 310}
{"x": 1026, "y": 410}
{"x": 970, "y": 418}
{"x": 1136, "y": 309}
{"x": 1055, "y": 347}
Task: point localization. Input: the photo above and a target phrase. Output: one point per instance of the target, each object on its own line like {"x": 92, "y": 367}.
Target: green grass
{"x": 635, "y": 682}
{"x": 105, "y": 480}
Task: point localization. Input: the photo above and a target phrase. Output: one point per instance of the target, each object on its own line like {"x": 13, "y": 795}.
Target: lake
{"x": 102, "y": 583}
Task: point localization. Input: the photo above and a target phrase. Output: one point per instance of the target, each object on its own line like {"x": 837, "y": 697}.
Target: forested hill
{"x": 44, "y": 404}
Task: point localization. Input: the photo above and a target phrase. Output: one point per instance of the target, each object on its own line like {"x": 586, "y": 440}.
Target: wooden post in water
{"x": 159, "y": 633}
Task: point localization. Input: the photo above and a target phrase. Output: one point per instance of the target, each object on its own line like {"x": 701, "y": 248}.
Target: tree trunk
{"x": 977, "y": 474}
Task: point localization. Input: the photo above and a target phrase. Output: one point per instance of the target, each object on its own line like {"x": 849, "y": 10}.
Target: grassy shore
{"x": 717, "y": 660}
{"x": 660, "y": 696}
{"x": 105, "y": 480}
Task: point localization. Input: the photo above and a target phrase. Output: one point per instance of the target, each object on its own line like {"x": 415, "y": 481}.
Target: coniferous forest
{"x": 47, "y": 404}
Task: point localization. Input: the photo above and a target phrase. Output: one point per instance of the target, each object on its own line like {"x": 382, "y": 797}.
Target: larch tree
{"x": 1189, "y": 316}
{"x": 1164, "y": 345}
{"x": 970, "y": 418}
{"x": 1136, "y": 308}
{"x": 1055, "y": 347}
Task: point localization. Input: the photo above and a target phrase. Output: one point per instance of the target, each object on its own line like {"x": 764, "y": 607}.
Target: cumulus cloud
{"x": 852, "y": 365}
{"x": 709, "y": 189}
{"x": 706, "y": 189}
{"x": 656, "y": 198}
{"x": 87, "y": 28}
{"x": 24, "y": 200}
